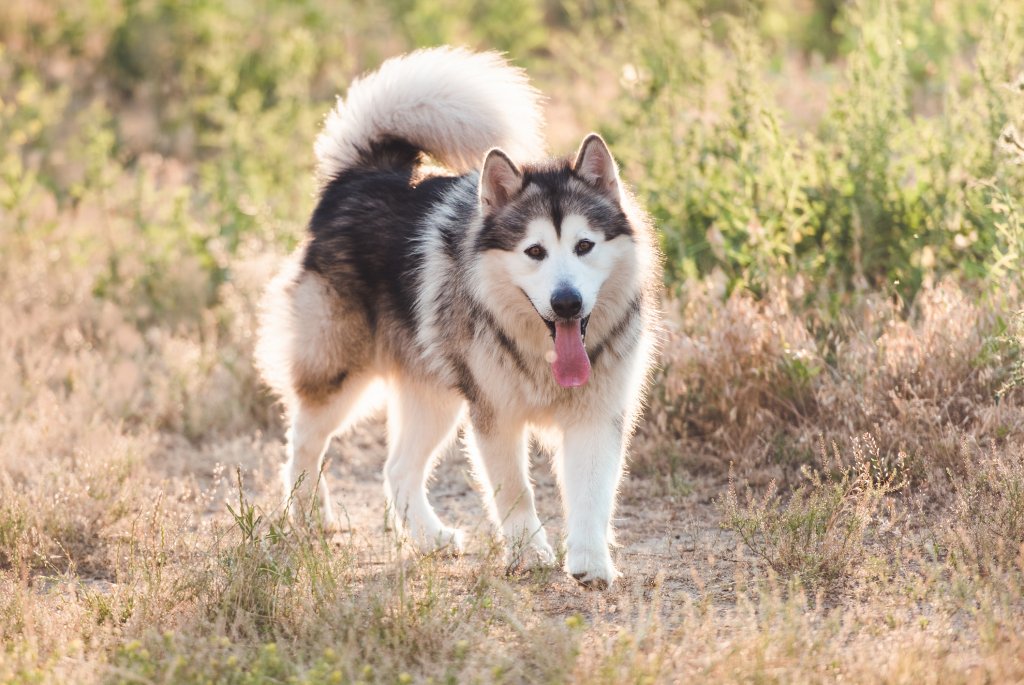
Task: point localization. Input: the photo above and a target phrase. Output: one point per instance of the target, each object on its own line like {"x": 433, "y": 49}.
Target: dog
{"x": 491, "y": 290}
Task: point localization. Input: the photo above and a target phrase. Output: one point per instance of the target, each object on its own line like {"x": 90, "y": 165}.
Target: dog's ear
{"x": 595, "y": 165}
{"x": 500, "y": 180}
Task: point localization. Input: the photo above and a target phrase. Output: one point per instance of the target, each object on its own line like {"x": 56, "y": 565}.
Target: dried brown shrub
{"x": 819, "y": 533}
{"x": 756, "y": 382}
{"x": 985, "y": 530}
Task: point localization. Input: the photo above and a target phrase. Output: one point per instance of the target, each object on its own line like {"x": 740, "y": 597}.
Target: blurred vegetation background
{"x": 817, "y": 169}
{"x": 870, "y": 144}
{"x": 837, "y": 186}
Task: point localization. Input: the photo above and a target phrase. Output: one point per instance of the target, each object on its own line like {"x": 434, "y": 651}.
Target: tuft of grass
{"x": 985, "y": 530}
{"x": 293, "y": 605}
{"x": 819, "y": 534}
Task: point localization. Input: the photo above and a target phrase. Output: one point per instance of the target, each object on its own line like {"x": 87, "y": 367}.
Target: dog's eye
{"x": 584, "y": 246}
{"x": 536, "y": 252}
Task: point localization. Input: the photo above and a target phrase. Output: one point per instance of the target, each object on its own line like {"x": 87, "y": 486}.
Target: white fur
{"x": 501, "y": 466}
{"x": 308, "y": 437}
{"x": 588, "y": 439}
{"x": 277, "y": 332}
{"x": 451, "y": 102}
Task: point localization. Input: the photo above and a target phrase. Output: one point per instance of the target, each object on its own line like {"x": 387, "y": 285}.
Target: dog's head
{"x": 556, "y": 240}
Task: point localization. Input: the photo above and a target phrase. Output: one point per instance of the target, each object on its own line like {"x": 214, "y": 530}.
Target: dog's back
{"x": 352, "y": 298}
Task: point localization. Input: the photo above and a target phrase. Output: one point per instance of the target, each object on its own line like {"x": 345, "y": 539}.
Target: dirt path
{"x": 672, "y": 540}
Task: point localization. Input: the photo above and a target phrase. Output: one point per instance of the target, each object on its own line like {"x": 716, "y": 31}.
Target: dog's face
{"x": 556, "y": 235}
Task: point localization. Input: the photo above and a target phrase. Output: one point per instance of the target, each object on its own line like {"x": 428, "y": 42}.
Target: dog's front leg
{"x": 590, "y": 470}
{"x": 502, "y": 467}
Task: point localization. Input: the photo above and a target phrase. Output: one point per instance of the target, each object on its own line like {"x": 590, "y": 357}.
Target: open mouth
{"x": 571, "y": 365}
{"x": 583, "y": 326}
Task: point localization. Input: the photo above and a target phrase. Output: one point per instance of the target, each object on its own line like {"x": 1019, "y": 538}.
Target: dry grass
{"x": 120, "y": 558}
{"x": 985, "y": 533}
{"x": 819, "y": 536}
{"x": 759, "y": 383}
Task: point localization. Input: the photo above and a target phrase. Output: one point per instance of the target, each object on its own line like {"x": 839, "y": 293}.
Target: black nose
{"x": 567, "y": 302}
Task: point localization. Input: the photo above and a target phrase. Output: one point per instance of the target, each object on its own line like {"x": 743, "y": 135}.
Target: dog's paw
{"x": 319, "y": 518}
{"x": 593, "y": 569}
{"x": 529, "y": 556}
{"x": 444, "y": 542}
{"x": 527, "y": 547}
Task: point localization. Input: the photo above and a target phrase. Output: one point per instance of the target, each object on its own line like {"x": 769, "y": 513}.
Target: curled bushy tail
{"x": 451, "y": 103}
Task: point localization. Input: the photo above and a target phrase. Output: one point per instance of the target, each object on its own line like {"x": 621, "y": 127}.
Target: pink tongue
{"x": 571, "y": 366}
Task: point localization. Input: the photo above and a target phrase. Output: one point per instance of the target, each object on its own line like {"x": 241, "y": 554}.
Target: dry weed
{"x": 755, "y": 383}
{"x": 819, "y": 535}
{"x": 985, "y": 532}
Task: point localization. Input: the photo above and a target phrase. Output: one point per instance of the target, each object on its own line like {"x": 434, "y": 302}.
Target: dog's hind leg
{"x": 314, "y": 421}
{"x": 421, "y": 422}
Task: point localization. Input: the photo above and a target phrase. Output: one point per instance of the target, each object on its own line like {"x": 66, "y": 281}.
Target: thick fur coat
{"x": 487, "y": 287}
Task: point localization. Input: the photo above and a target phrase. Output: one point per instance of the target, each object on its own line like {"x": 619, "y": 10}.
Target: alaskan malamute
{"x": 479, "y": 282}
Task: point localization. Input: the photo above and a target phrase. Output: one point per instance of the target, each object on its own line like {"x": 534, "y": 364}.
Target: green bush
{"x": 905, "y": 177}
{"x": 910, "y": 168}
